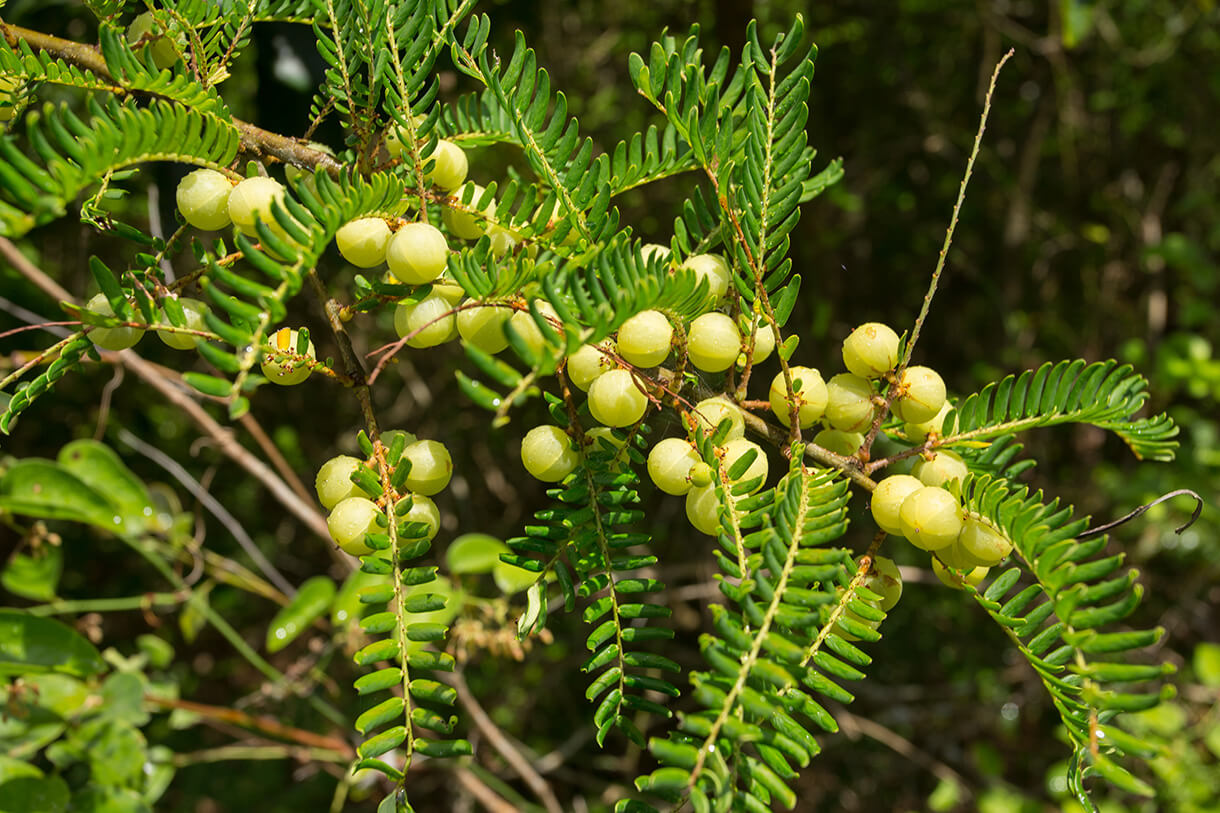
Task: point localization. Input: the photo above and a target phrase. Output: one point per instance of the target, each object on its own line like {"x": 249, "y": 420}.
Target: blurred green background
{"x": 1091, "y": 229}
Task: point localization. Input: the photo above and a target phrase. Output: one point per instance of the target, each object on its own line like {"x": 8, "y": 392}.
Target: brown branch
{"x": 479, "y": 790}
{"x": 266, "y": 724}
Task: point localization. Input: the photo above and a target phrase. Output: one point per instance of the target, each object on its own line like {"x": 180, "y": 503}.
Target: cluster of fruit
{"x": 350, "y": 489}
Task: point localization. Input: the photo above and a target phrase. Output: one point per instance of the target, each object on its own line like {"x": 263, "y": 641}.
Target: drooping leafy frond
{"x": 66, "y": 355}
{"x": 1104, "y": 394}
{"x": 1063, "y": 625}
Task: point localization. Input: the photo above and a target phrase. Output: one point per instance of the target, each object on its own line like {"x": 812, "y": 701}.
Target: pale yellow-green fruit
{"x": 920, "y": 431}
{"x": 714, "y": 269}
{"x": 548, "y": 453}
{"x": 483, "y": 327}
{"x": 710, "y": 412}
{"x": 450, "y": 165}
{"x": 350, "y": 520}
{"x": 615, "y": 400}
{"x": 203, "y": 199}
{"x": 503, "y": 241}
{"x": 644, "y": 339}
{"x": 703, "y": 509}
{"x": 713, "y": 342}
{"x": 849, "y": 402}
{"x": 588, "y": 362}
{"x": 669, "y": 464}
{"x": 984, "y": 541}
{"x": 466, "y": 224}
{"x": 812, "y": 396}
{"x": 942, "y": 468}
{"x": 423, "y": 510}
{"x": 164, "y": 53}
{"x": 252, "y": 197}
{"x": 431, "y": 467}
{"x": 930, "y": 518}
{"x": 417, "y": 253}
{"x": 851, "y": 615}
{"x": 887, "y": 500}
{"x": 922, "y": 395}
{"x": 111, "y": 338}
{"x": 764, "y": 344}
{"x": 950, "y": 579}
{"x": 428, "y": 322}
{"x": 700, "y": 475}
{"x": 871, "y": 350}
{"x": 886, "y": 581}
{"x": 193, "y": 312}
{"x": 956, "y": 557}
{"x": 657, "y": 251}
{"x": 523, "y": 324}
{"x": 601, "y": 439}
{"x": 334, "y": 480}
{"x": 735, "y": 450}
{"x": 282, "y": 364}
{"x": 447, "y": 289}
{"x": 362, "y": 242}
{"x": 839, "y": 442}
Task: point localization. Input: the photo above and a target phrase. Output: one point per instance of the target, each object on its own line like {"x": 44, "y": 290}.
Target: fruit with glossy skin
{"x": 203, "y": 199}
{"x": 193, "y": 312}
{"x": 588, "y": 362}
{"x": 887, "y": 500}
{"x": 283, "y": 364}
{"x": 700, "y": 475}
{"x": 423, "y": 510}
{"x": 428, "y": 322}
{"x": 930, "y": 518}
{"x": 735, "y": 450}
{"x": 764, "y": 344}
{"x": 164, "y": 53}
{"x": 849, "y": 402}
{"x": 363, "y": 241}
{"x": 950, "y": 579}
{"x": 483, "y": 327}
{"x": 334, "y": 481}
{"x": 711, "y": 412}
{"x": 811, "y": 391}
{"x": 449, "y": 165}
{"x": 851, "y": 615}
{"x": 669, "y": 465}
{"x": 602, "y": 439}
{"x": 523, "y": 324}
{"x": 252, "y": 197}
{"x": 111, "y": 338}
{"x": 841, "y": 443}
{"x": 714, "y": 269}
{"x": 644, "y": 339}
{"x": 703, "y": 509}
{"x": 417, "y": 253}
{"x": 922, "y": 395}
{"x": 431, "y": 467}
{"x": 886, "y": 581}
{"x": 956, "y": 557}
{"x": 615, "y": 400}
{"x": 983, "y": 541}
{"x": 920, "y": 431}
{"x": 713, "y": 343}
{"x": 943, "y": 467}
{"x": 464, "y": 224}
{"x": 657, "y": 251}
{"x": 350, "y": 520}
{"x": 549, "y": 453}
{"x": 871, "y": 350}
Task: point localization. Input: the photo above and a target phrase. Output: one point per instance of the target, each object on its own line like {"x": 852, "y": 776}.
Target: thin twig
{"x": 484, "y": 794}
{"x": 266, "y": 724}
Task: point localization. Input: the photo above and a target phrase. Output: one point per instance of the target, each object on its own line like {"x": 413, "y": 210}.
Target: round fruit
{"x": 955, "y": 556}
{"x": 887, "y": 500}
{"x": 502, "y": 240}
{"x": 713, "y": 342}
{"x": 670, "y": 463}
{"x": 849, "y": 402}
{"x": 920, "y": 431}
{"x": 465, "y": 224}
{"x": 450, "y": 167}
{"x": 930, "y": 518}
{"x": 362, "y": 242}
{"x": 951, "y": 579}
{"x": 431, "y": 467}
{"x": 845, "y": 444}
{"x": 350, "y": 520}
{"x": 483, "y": 327}
{"x": 164, "y": 53}
{"x": 428, "y": 322}
{"x": 812, "y": 395}
{"x": 424, "y": 510}
{"x": 923, "y": 395}
{"x": 764, "y": 344}
{"x": 111, "y": 338}
{"x": 548, "y": 453}
{"x": 851, "y": 615}
{"x": 643, "y": 340}
{"x": 871, "y": 350}
{"x": 700, "y": 475}
{"x": 983, "y": 541}
{"x": 738, "y": 448}
{"x": 283, "y": 364}
{"x": 523, "y": 324}
{"x": 657, "y": 251}
{"x": 203, "y": 199}
{"x": 447, "y": 289}
{"x": 417, "y": 253}
{"x": 714, "y": 269}
{"x": 193, "y": 311}
{"x": 252, "y": 197}
{"x": 588, "y": 362}
{"x": 703, "y": 509}
{"x": 334, "y": 481}
{"x": 886, "y": 581}
{"x": 943, "y": 467}
{"x": 615, "y": 400}
{"x": 603, "y": 439}
{"x": 711, "y": 412}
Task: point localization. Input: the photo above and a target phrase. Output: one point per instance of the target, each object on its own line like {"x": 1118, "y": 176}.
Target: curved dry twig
{"x": 1100, "y": 529}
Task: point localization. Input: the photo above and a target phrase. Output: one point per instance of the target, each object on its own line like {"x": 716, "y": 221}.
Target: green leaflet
{"x": 311, "y": 601}
{"x": 30, "y": 644}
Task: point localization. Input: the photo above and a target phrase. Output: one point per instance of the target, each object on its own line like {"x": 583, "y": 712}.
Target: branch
{"x": 266, "y": 724}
